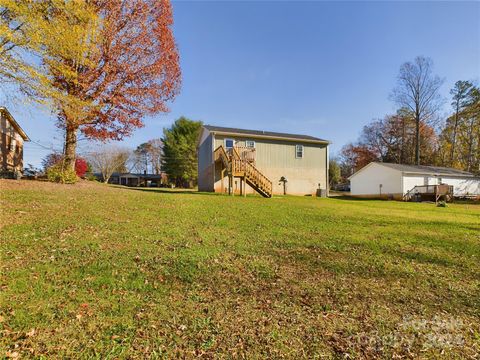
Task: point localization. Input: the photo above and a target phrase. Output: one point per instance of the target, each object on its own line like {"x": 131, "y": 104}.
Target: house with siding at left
{"x": 242, "y": 161}
{"x": 12, "y": 138}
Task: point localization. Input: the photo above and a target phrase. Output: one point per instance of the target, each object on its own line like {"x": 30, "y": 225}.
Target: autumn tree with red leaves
{"x": 354, "y": 157}
{"x": 133, "y": 72}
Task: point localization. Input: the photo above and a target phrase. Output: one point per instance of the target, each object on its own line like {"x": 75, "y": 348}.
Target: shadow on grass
{"x": 167, "y": 190}
{"x": 182, "y": 191}
{"x": 349, "y": 197}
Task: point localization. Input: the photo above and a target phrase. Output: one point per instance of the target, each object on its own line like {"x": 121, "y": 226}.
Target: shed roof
{"x": 424, "y": 169}
{"x": 14, "y": 123}
{"x": 420, "y": 169}
{"x": 263, "y": 134}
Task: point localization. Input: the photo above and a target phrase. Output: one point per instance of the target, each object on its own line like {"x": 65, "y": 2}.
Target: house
{"x": 133, "y": 179}
{"x": 248, "y": 161}
{"x": 385, "y": 180}
{"x": 11, "y": 144}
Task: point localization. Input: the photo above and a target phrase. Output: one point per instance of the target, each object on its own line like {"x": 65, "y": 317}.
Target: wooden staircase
{"x": 237, "y": 166}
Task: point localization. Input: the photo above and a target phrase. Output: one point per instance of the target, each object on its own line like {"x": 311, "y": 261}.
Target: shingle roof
{"x": 260, "y": 133}
{"x": 423, "y": 169}
{"x": 150, "y": 176}
{"x": 14, "y": 123}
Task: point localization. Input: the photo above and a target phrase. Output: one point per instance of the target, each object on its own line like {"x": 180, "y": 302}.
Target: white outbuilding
{"x": 387, "y": 180}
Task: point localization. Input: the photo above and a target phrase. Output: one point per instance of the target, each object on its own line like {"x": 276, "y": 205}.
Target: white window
{"x": 299, "y": 151}
{"x": 229, "y": 143}
{"x": 250, "y": 144}
{"x": 12, "y": 145}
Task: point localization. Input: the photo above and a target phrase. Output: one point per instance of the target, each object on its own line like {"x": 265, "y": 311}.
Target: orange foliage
{"x": 135, "y": 71}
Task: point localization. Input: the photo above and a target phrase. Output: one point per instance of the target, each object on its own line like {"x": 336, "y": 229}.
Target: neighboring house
{"x": 247, "y": 161}
{"x": 396, "y": 180}
{"x": 11, "y": 143}
{"x": 131, "y": 179}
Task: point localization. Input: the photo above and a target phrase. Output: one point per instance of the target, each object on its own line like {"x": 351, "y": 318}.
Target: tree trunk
{"x": 470, "y": 146}
{"x": 402, "y": 146}
{"x": 417, "y": 140}
{"x": 70, "y": 147}
{"x": 454, "y": 135}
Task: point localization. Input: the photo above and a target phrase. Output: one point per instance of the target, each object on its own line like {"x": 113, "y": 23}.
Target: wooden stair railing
{"x": 243, "y": 168}
{"x": 253, "y": 176}
{"x": 221, "y": 155}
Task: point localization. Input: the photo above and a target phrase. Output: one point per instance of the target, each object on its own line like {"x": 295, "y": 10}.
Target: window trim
{"x": 250, "y": 141}
{"x": 297, "y": 146}
{"x": 225, "y": 143}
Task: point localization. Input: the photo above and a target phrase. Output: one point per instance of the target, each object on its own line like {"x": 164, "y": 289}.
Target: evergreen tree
{"x": 179, "y": 151}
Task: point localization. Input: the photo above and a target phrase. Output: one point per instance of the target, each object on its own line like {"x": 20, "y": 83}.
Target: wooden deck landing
{"x": 234, "y": 165}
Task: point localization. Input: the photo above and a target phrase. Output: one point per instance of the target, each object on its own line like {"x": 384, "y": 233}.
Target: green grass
{"x": 95, "y": 271}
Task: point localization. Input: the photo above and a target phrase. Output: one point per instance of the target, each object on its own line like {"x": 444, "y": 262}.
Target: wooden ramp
{"x": 236, "y": 166}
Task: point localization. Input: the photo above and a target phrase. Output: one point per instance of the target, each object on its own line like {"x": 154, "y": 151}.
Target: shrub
{"x": 90, "y": 177}
{"x": 56, "y": 173}
{"x": 81, "y": 167}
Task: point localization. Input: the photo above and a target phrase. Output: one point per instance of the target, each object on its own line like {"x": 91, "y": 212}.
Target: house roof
{"x": 420, "y": 169}
{"x": 263, "y": 134}
{"x": 14, "y": 123}
{"x": 140, "y": 175}
{"x": 423, "y": 169}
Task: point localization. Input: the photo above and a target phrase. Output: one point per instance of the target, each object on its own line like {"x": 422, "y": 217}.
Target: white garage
{"x": 385, "y": 180}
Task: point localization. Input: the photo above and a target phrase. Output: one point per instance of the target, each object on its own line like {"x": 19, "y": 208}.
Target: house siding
{"x": 367, "y": 182}
{"x": 461, "y": 186}
{"x": 11, "y": 145}
{"x": 409, "y": 182}
{"x": 206, "y": 167}
{"x": 276, "y": 158}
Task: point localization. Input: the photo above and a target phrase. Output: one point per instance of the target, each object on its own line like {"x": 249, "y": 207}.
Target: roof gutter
{"x": 256, "y": 136}
{"x": 438, "y": 174}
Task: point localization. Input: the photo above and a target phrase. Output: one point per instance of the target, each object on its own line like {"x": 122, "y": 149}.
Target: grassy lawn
{"x": 98, "y": 271}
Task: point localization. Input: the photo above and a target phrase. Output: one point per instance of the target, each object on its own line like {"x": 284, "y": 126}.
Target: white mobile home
{"x": 395, "y": 180}
{"x": 247, "y": 161}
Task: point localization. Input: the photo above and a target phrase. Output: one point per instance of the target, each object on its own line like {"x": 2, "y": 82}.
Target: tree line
{"x": 173, "y": 154}
{"x": 416, "y": 132}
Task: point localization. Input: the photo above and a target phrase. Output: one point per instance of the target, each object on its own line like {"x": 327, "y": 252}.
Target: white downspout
{"x": 213, "y": 160}
{"x": 327, "y": 156}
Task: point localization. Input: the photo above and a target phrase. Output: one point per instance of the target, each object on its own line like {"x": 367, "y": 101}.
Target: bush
{"x": 81, "y": 167}
{"x": 90, "y": 177}
{"x": 56, "y": 173}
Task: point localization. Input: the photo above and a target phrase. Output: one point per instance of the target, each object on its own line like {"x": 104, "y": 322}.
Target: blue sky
{"x": 318, "y": 68}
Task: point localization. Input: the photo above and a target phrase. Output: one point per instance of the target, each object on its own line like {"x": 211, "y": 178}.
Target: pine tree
{"x": 179, "y": 158}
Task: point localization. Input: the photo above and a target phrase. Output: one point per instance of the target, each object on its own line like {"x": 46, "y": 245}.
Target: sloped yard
{"x": 97, "y": 271}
